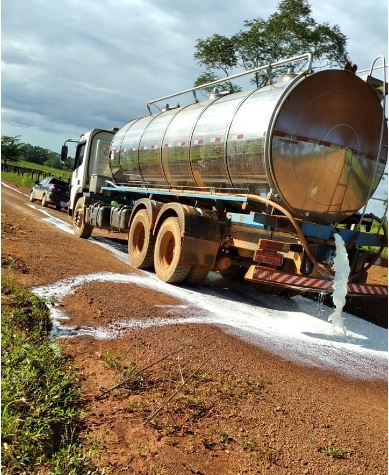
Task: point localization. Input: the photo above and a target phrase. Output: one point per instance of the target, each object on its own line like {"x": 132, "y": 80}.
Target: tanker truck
{"x": 253, "y": 184}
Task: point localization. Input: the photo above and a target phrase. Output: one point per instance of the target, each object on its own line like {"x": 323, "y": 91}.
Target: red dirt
{"x": 240, "y": 410}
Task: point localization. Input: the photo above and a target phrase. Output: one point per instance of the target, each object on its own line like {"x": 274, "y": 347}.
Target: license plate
{"x": 267, "y": 257}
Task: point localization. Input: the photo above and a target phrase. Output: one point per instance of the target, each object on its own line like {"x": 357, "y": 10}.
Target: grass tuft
{"x": 335, "y": 452}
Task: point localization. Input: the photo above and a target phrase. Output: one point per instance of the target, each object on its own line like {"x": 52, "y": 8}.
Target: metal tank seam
{"x": 228, "y": 132}
{"x": 269, "y": 133}
{"x": 180, "y": 109}
{"x": 191, "y": 137}
{"x": 140, "y": 140}
{"x": 134, "y": 121}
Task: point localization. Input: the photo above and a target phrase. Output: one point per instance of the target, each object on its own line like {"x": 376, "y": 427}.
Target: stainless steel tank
{"x": 311, "y": 142}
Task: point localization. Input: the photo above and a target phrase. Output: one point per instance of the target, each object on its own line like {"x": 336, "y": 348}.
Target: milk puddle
{"x": 294, "y": 330}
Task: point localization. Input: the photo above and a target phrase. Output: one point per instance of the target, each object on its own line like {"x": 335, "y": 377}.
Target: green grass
{"x": 373, "y": 249}
{"x": 37, "y": 166}
{"x": 335, "y": 452}
{"x": 18, "y": 180}
{"x": 40, "y": 397}
{"x": 27, "y": 179}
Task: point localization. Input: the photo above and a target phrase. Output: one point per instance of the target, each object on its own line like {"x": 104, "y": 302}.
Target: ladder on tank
{"x": 381, "y": 88}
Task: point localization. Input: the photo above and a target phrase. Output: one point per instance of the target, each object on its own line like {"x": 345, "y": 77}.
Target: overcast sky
{"x": 71, "y": 65}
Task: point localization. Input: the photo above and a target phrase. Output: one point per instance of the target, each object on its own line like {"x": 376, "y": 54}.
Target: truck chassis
{"x": 183, "y": 233}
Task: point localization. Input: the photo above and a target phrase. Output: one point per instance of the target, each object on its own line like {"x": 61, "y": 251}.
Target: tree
{"x": 207, "y": 77}
{"x": 289, "y": 31}
{"x": 11, "y": 148}
{"x": 216, "y": 52}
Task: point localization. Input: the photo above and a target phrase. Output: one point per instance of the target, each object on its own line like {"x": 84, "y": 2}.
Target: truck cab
{"x": 90, "y": 162}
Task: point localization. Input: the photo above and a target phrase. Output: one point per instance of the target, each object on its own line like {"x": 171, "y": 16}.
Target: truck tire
{"x": 167, "y": 253}
{"x": 141, "y": 241}
{"x": 31, "y": 197}
{"x": 80, "y": 227}
{"x": 196, "y": 275}
{"x": 44, "y": 201}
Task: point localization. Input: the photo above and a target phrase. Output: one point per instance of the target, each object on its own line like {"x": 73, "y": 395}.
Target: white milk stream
{"x": 341, "y": 267}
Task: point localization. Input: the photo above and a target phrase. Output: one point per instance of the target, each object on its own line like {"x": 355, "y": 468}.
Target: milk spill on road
{"x": 296, "y": 329}
{"x": 341, "y": 267}
{"x": 58, "y": 223}
{"x": 291, "y": 329}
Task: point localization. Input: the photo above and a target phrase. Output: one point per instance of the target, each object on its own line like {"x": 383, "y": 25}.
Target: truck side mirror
{"x": 64, "y": 153}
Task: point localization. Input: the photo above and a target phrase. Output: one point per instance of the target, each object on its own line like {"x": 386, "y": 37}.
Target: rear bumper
{"x": 302, "y": 283}
{"x": 57, "y": 198}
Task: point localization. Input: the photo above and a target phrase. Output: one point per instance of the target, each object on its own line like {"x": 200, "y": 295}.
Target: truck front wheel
{"x": 141, "y": 241}
{"x": 80, "y": 227}
{"x": 167, "y": 253}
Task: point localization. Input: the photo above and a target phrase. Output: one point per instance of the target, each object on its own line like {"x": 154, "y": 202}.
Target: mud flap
{"x": 199, "y": 252}
{"x": 200, "y": 233}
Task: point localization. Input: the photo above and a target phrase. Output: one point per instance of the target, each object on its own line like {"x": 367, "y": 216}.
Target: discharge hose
{"x": 319, "y": 267}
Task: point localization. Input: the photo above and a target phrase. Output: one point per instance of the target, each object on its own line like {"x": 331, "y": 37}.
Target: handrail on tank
{"x": 371, "y": 69}
{"x": 307, "y": 56}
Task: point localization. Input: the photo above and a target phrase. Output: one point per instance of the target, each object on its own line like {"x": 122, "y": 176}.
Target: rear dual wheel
{"x": 167, "y": 253}
{"x": 141, "y": 241}
{"x": 162, "y": 253}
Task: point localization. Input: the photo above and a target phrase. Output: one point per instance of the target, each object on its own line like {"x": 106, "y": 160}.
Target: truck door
{"x": 77, "y": 183}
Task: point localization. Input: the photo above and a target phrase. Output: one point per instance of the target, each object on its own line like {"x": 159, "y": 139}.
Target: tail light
{"x": 51, "y": 187}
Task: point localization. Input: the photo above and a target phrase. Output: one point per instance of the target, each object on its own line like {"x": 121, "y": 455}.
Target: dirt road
{"x": 219, "y": 380}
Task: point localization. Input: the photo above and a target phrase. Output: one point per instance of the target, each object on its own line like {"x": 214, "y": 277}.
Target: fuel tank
{"x": 310, "y": 143}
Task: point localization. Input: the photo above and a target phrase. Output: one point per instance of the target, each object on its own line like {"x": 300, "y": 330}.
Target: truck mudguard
{"x": 200, "y": 231}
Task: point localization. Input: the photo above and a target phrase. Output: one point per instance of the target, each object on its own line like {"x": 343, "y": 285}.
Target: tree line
{"x": 13, "y": 150}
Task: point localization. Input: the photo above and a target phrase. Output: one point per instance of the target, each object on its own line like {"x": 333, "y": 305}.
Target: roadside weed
{"x": 335, "y": 452}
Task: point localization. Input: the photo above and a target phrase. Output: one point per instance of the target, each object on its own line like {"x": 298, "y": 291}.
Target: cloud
{"x": 76, "y": 65}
